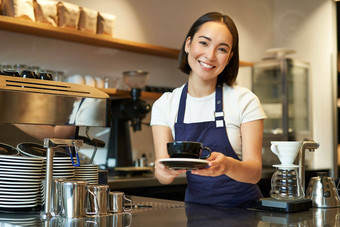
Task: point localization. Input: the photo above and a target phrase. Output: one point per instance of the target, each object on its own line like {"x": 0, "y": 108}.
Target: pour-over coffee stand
{"x": 292, "y": 205}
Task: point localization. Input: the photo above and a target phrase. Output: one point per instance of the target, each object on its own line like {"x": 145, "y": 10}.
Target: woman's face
{"x": 209, "y": 51}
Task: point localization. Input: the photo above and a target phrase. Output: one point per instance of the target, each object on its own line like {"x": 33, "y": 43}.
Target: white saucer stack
{"x": 87, "y": 172}
{"x": 20, "y": 181}
{"x": 62, "y": 167}
{"x": 62, "y": 164}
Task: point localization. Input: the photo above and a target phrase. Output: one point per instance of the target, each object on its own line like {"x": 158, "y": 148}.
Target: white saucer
{"x": 18, "y": 200}
{"x": 20, "y": 179}
{"x": 86, "y": 168}
{"x": 20, "y": 184}
{"x": 18, "y": 206}
{"x": 12, "y": 170}
{"x": 285, "y": 166}
{"x": 18, "y": 174}
{"x": 25, "y": 191}
{"x": 20, "y": 158}
{"x": 184, "y": 163}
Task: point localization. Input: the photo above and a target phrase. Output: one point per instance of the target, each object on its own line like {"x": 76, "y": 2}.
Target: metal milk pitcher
{"x": 56, "y": 196}
{"x": 75, "y": 198}
{"x": 101, "y": 192}
{"x": 117, "y": 202}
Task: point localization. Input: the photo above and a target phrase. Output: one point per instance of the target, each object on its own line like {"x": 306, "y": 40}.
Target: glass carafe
{"x": 286, "y": 185}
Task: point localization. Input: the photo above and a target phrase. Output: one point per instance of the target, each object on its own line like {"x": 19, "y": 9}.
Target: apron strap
{"x": 219, "y": 114}
{"x": 182, "y": 104}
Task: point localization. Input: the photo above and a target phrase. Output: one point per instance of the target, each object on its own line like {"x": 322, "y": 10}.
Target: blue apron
{"x": 221, "y": 190}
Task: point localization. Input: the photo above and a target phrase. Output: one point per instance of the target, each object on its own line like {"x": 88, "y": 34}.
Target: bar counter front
{"x": 168, "y": 213}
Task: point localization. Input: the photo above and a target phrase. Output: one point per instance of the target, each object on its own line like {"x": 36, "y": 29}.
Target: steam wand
{"x": 50, "y": 144}
{"x": 311, "y": 146}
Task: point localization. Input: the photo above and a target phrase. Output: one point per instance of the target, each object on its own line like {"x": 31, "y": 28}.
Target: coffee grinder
{"x": 287, "y": 192}
{"x": 125, "y": 113}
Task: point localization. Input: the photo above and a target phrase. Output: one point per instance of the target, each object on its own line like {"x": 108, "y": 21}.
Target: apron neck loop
{"x": 219, "y": 114}
{"x": 182, "y": 104}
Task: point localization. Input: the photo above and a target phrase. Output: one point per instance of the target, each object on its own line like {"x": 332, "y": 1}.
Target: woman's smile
{"x": 205, "y": 65}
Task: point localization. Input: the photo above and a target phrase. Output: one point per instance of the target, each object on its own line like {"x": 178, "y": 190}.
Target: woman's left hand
{"x": 218, "y": 165}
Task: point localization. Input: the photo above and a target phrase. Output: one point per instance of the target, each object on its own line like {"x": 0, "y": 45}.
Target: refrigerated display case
{"x": 282, "y": 85}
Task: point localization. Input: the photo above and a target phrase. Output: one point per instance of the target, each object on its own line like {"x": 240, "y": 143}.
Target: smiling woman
{"x": 230, "y": 33}
{"x": 208, "y": 55}
{"x": 211, "y": 110}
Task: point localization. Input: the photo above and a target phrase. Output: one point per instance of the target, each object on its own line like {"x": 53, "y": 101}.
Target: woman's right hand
{"x": 166, "y": 175}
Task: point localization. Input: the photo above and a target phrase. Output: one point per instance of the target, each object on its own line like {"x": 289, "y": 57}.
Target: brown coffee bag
{"x": 87, "y": 20}
{"x": 45, "y": 11}
{"x": 106, "y": 23}
{"x": 68, "y": 15}
{"x": 18, "y": 8}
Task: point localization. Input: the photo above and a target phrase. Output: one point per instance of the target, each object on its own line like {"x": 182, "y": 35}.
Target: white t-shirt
{"x": 240, "y": 105}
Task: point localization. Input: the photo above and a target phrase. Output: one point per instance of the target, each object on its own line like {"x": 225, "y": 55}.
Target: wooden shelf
{"x": 119, "y": 94}
{"x": 67, "y": 34}
{"x": 49, "y": 31}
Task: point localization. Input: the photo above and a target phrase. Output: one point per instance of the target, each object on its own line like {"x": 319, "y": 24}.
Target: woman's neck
{"x": 201, "y": 88}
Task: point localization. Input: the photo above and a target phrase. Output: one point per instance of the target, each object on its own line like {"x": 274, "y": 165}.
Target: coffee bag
{"x": 106, "y": 24}
{"x": 45, "y": 11}
{"x": 18, "y": 8}
{"x": 68, "y": 15}
{"x": 87, "y": 20}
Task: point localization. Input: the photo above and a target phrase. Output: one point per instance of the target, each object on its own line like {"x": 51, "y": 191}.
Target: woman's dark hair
{"x": 229, "y": 74}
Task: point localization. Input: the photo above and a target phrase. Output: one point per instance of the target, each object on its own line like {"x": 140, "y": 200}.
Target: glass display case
{"x": 282, "y": 85}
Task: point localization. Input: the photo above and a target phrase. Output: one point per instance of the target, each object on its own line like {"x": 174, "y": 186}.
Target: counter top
{"x": 150, "y": 180}
{"x": 192, "y": 215}
{"x": 167, "y": 213}
{"x": 116, "y": 182}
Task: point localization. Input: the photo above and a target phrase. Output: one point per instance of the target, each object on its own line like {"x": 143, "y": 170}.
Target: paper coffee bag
{"x": 68, "y": 15}
{"x": 106, "y": 23}
{"x": 18, "y": 8}
{"x": 45, "y": 11}
{"x": 87, "y": 20}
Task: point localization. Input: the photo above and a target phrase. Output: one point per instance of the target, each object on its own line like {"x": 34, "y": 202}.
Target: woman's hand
{"x": 218, "y": 165}
{"x": 166, "y": 175}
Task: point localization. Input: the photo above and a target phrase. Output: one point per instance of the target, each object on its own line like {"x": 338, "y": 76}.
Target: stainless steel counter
{"x": 166, "y": 213}
{"x": 191, "y": 215}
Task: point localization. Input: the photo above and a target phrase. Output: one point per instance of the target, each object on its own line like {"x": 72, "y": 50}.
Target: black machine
{"x": 126, "y": 113}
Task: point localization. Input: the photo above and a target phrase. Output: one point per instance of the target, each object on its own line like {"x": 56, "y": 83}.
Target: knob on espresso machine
{"x": 126, "y": 113}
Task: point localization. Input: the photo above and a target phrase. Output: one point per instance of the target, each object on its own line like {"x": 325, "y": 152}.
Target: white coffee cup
{"x": 76, "y": 79}
{"x": 90, "y": 81}
{"x": 286, "y": 150}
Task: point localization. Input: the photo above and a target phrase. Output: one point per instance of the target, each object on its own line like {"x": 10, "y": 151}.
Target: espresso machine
{"x": 52, "y": 103}
{"x": 125, "y": 113}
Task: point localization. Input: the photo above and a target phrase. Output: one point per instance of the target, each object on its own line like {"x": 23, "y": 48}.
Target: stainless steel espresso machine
{"x": 44, "y": 102}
